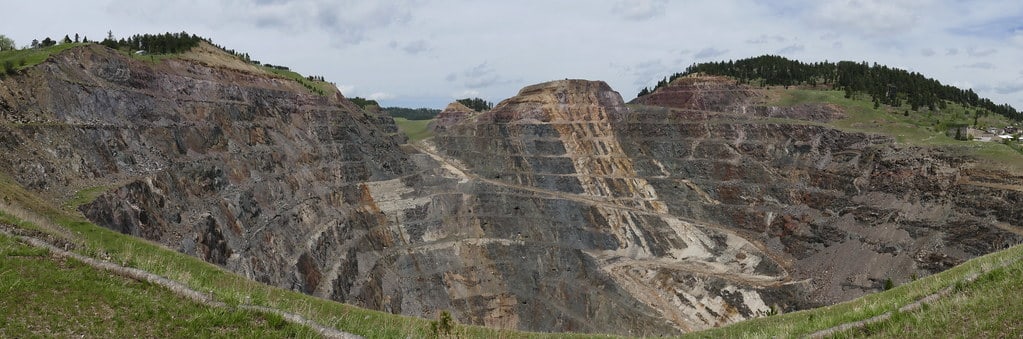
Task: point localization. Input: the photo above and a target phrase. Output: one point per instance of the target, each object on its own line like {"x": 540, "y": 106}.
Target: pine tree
{"x": 643, "y": 92}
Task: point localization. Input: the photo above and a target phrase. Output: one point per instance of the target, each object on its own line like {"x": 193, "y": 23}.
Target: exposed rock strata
{"x": 452, "y": 115}
{"x": 245, "y": 170}
{"x": 701, "y": 93}
{"x": 561, "y": 209}
{"x": 718, "y": 216}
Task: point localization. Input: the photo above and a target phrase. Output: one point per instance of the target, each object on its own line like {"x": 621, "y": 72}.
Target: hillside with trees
{"x": 476, "y": 104}
{"x": 884, "y": 85}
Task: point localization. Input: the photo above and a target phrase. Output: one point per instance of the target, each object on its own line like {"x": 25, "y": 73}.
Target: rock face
{"x": 707, "y": 212}
{"x": 561, "y": 209}
{"x": 245, "y": 170}
{"x": 452, "y": 115}
{"x": 701, "y": 93}
{"x": 563, "y": 178}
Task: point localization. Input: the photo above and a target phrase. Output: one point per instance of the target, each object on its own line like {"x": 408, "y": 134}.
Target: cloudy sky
{"x": 424, "y": 53}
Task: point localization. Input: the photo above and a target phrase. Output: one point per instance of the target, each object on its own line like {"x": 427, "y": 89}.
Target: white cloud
{"x": 975, "y": 52}
{"x": 1017, "y": 37}
{"x": 791, "y": 49}
{"x": 381, "y": 96}
{"x": 978, "y": 65}
{"x": 648, "y": 72}
{"x": 927, "y": 52}
{"x": 829, "y": 36}
{"x": 344, "y": 22}
{"x": 346, "y": 90}
{"x": 469, "y": 93}
{"x": 764, "y": 38}
{"x": 480, "y": 76}
{"x": 639, "y": 9}
{"x": 709, "y": 52}
{"x": 416, "y": 47}
{"x": 411, "y": 48}
{"x": 869, "y": 17}
{"x": 1009, "y": 88}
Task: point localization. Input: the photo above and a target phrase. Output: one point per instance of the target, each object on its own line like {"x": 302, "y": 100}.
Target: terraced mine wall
{"x": 716, "y": 210}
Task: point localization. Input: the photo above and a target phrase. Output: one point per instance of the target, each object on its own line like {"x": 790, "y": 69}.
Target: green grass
{"x": 806, "y": 322}
{"x": 318, "y": 87}
{"x": 985, "y": 308}
{"x": 415, "y": 129}
{"x": 918, "y": 127}
{"x": 47, "y": 296}
{"x": 25, "y": 58}
{"x": 85, "y": 196}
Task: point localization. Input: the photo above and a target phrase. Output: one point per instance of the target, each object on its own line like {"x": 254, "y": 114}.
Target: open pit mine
{"x": 563, "y": 208}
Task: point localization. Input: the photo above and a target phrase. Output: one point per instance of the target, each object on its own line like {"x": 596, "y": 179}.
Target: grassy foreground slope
{"x": 987, "y": 308}
{"x": 982, "y": 300}
{"x": 57, "y": 297}
{"x": 24, "y": 210}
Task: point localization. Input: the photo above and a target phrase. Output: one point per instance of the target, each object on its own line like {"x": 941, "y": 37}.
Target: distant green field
{"x": 415, "y": 129}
